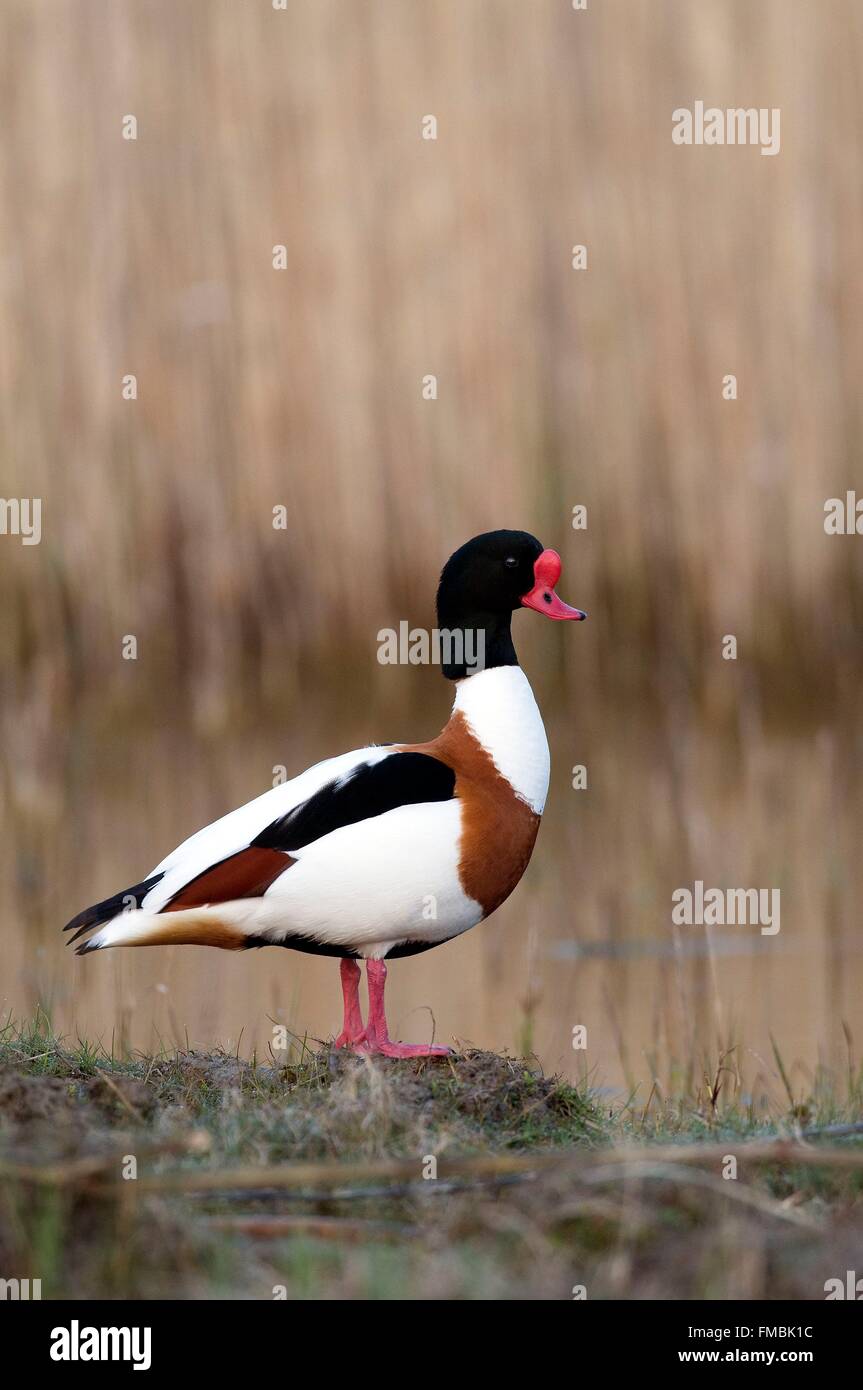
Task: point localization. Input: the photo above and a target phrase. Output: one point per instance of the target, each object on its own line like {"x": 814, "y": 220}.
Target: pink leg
{"x": 377, "y": 1034}
{"x": 352, "y": 1028}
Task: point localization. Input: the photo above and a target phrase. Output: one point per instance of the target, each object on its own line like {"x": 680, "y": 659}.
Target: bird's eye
{"x": 510, "y": 562}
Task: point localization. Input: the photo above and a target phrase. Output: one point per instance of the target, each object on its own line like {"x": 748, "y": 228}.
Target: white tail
{"x": 226, "y": 925}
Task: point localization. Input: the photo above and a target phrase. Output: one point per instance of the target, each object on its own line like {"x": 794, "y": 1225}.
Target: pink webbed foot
{"x": 377, "y": 1039}
{"x": 385, "y": 1048}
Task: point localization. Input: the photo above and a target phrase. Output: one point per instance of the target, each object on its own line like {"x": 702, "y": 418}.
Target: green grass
{"x": 72, "y": 1113}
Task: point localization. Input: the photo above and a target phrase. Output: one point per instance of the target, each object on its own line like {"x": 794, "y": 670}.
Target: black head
{"x": 481, "y": 586}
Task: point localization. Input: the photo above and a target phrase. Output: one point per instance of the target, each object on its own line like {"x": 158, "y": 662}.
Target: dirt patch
{"x": 218, "y": 1070}
{"x": 124, "y": 1097}
{"x": 492, "y": 1230}
{"x": 35, "y": 1100}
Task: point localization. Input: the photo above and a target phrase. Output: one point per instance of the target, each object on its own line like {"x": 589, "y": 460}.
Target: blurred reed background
{"x": 302, "y": 388}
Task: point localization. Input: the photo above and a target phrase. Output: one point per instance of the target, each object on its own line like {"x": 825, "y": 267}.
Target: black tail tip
{"x": 100, "y": 913}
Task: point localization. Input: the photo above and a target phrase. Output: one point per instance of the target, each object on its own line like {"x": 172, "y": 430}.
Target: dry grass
{"x": 315, "y": 1177}
{"x": 302, "y": 388}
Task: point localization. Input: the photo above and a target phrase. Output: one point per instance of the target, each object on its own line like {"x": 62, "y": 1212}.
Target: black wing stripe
{"x": 401, "y": 779}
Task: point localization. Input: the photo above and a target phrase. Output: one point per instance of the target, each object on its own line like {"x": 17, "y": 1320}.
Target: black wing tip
{"x": 100, "y": 913}
{"x": 83, "y": 922}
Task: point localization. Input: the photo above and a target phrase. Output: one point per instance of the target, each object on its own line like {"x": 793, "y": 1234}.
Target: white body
{"x": 376, "y": 884}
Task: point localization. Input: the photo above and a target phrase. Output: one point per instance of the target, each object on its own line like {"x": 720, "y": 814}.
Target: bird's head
{"x": 491, "y": 576}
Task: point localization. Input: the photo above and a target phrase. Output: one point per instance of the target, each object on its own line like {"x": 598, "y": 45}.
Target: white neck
{"x": 498, "y": 705}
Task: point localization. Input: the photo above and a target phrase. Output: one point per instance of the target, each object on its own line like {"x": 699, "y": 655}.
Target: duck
{"x": 389, "y": 850}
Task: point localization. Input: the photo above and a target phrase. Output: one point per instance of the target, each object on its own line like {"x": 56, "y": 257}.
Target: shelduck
{"x": 389, "y": 850}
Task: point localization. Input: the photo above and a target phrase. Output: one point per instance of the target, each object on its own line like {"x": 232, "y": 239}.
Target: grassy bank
{"x": 316, "y": 1178}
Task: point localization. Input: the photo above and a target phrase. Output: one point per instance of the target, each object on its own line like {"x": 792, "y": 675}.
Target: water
{"x": 586, "y": 941}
